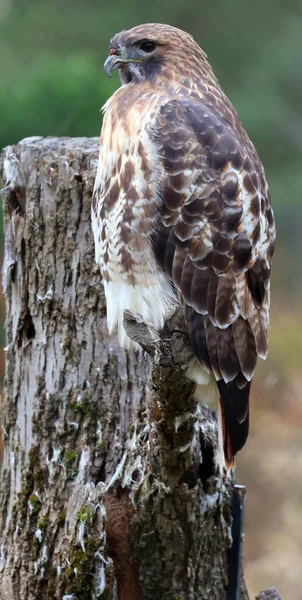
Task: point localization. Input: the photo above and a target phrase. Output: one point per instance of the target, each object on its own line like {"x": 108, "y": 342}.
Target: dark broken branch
{"x": 270, "y": 594}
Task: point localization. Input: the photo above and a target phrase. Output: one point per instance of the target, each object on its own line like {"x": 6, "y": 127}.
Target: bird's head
{"x": 149, "y": 50}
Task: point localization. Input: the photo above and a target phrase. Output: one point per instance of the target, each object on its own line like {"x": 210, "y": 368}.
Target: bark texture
{"x": 108, "y": 487}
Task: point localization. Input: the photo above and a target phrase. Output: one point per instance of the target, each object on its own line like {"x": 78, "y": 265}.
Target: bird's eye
{"x": 147, "y": 47}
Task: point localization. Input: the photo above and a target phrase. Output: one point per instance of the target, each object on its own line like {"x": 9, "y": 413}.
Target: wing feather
{"x": 226, "y": 307}
{"x": 245, "y": 347}
{"x": 199, "y": 290}
{"x": 218, "y": 251}
{"x": 186, "y": 280}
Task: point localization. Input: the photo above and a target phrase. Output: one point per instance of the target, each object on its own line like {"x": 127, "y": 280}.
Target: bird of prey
{"x": 181, "y": 214}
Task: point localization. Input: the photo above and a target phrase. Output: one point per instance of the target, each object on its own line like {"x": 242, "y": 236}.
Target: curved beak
{"x": 114, "y": 62}
{"x": 111, "y": 63}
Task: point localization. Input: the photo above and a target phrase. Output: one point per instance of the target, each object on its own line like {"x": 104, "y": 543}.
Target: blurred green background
{"x": 52, "y": 83}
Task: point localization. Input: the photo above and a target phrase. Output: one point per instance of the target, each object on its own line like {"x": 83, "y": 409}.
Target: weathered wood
{"x": 108, "y": 487}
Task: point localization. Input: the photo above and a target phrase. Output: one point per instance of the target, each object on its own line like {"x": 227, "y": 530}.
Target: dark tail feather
{"x": 234, "y": 406}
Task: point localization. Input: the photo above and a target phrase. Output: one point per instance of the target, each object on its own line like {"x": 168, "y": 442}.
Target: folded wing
{"x": 215, "y": 240}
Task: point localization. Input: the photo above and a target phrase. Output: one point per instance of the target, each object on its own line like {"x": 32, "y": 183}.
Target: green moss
{"x": 35, "y": 476}
{"x": 36, "y": 542}
{"x": 35, "y": 503}
{"x": 40, "y": 477}
{"x": 60, "y": 520}
{"x": 33, "y": 457}
{"x": 43, "y": 523}
{"x": 36, "y": 423}
{"x": 86, "y": 406}
{"x": 80, "y": 573}
{"x": 85, "y": 515}
{"x": 47, "y": 414}
{"x": 100, "y": 448}
{"x": 22, "y": 504}
{"x": 33, "y": 479}
{"x": 70, "y": 458}
{"x": 51, "y": 591}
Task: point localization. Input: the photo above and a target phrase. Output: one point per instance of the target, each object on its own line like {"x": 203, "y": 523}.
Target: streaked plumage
{"x": 181, "y": 213}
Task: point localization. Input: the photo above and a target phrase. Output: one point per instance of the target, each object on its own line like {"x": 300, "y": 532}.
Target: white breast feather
{"x": 146, "y": 290}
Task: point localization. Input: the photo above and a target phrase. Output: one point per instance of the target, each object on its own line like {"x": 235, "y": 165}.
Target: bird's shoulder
{"x": 208, "y": 124}
{"x": 213, "y": 173}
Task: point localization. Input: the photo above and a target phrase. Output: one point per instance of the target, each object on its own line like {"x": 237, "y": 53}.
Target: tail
{"x": 234, "y": 414}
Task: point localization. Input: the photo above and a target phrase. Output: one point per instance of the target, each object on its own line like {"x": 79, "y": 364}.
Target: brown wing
{"x": 215, "y": 241}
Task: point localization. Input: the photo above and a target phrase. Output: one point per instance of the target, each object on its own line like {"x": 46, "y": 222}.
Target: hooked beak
{"x": 114, "y": 62}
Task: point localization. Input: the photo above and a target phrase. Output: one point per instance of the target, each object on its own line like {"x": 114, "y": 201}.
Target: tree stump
{"x": 108, "y": 486}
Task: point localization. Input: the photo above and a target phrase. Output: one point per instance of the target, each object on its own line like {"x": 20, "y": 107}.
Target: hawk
{"x": 181, "y": 214}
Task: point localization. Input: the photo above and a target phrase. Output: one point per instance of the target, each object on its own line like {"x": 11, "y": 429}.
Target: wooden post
{"x": 108, "y": 488}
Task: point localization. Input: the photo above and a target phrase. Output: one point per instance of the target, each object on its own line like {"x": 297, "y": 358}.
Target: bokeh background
{"x": 52, "y": 83}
